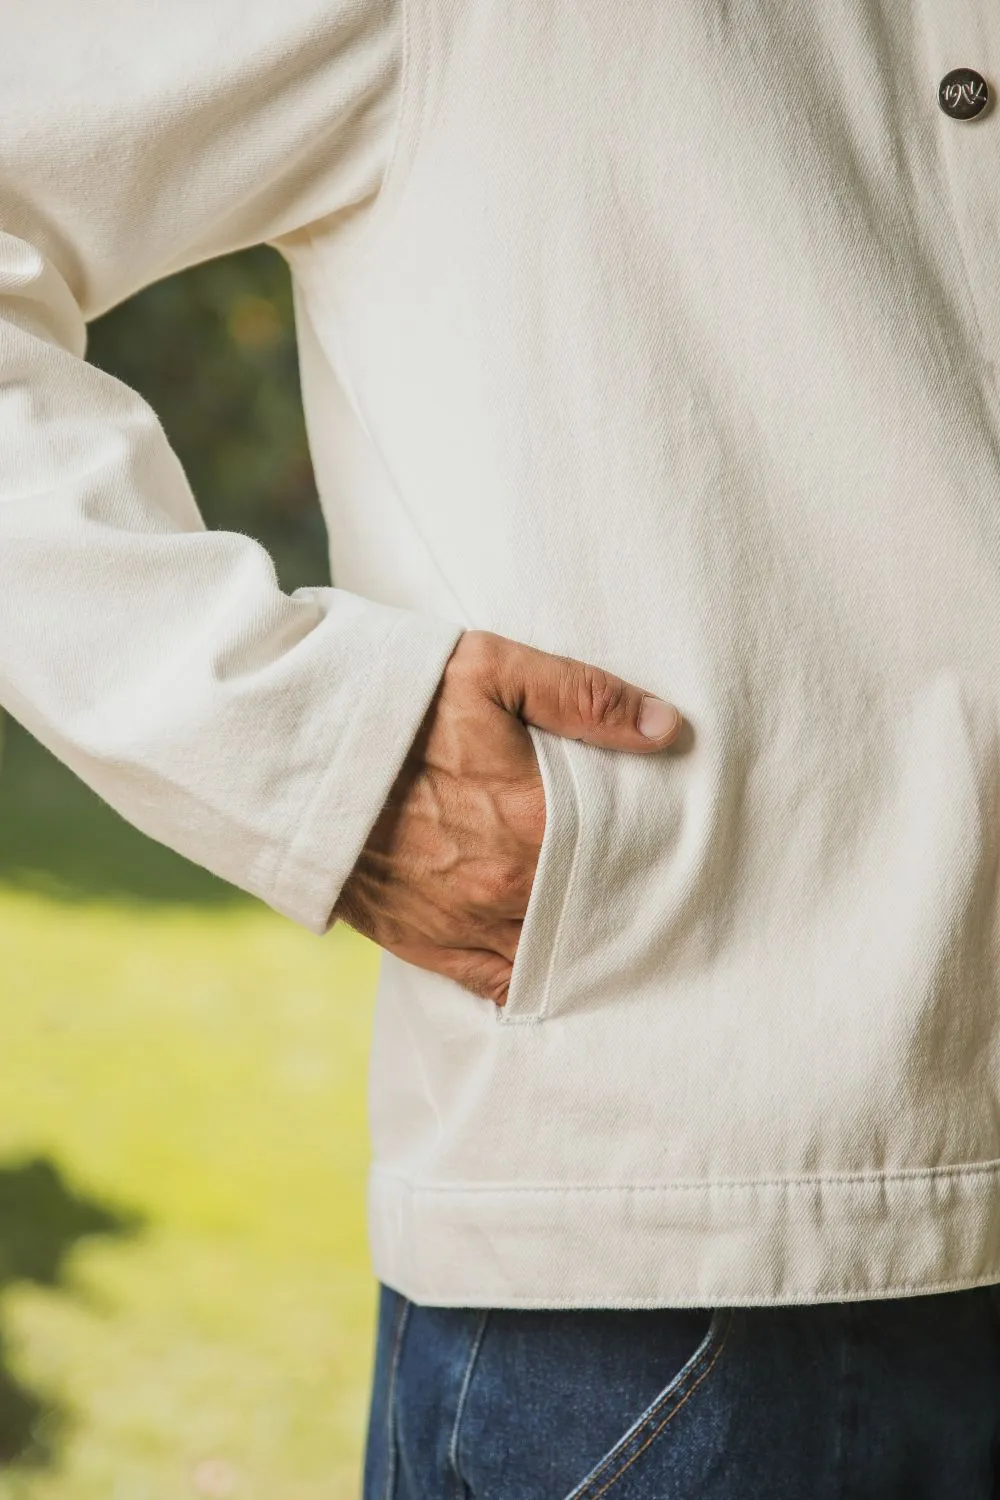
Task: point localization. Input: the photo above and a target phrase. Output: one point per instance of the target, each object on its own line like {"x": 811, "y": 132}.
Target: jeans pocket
{"x": 554, "y": 1395}
{"x": 537, "y": 949}
{"x": 691, "y": 1380}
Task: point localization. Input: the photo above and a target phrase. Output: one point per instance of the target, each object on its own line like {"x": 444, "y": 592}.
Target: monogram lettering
{"x": 965, "y": 93}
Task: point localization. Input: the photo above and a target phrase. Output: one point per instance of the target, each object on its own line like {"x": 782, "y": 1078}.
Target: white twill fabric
{"x": 662, "y": 336}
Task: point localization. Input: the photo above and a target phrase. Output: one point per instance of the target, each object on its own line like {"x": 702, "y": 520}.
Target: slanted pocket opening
{"x": 655, "y": 1421}
{"x": 537, "y": 949}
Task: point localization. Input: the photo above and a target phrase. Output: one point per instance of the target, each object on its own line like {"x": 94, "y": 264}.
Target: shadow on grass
{"x": 58, "y": 838}
{"x": 42, "y": 1220}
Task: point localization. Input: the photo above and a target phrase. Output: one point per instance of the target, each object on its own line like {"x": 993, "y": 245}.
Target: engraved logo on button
{"x": 963, "y": 93}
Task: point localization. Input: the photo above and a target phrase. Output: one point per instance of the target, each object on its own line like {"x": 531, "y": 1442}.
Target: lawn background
{"x": 185, "y": 1299}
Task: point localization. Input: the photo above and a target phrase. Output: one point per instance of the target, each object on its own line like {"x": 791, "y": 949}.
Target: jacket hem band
{"x": 690, "y": 1244}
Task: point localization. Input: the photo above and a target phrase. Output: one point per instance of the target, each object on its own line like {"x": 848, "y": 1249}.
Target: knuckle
{"x": 502, "y": 883}
{"x": 497, "y": 989}
{"x": 529, "y": 811}
{"x": 537, "y": 818}
{"x": 603, "y": 696}
{"x": 487, "y": 979}
{"x": 491, "y": 982}
{"x": 526, "y": 812}
{"x": 476, "y": 656}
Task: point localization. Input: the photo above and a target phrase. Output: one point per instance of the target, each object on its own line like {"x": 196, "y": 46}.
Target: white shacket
{"x": 663, "y": 337}
{"x": 254, "y": 732}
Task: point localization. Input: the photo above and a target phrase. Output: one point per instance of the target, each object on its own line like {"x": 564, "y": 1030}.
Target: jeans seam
{"x": 688, "y": 1391}
{"x": 402, "y": 1317}
{"x": 461, "y": 1489}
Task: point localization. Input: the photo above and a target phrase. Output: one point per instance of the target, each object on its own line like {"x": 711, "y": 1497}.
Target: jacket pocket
{"x": 537, "y": 953}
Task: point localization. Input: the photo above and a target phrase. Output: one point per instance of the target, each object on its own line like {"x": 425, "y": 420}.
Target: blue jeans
{"x": 892, "y": 1400}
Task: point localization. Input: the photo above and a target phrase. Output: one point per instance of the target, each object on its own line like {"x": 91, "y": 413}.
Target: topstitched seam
{"x": 673, "y": 1389}
{"x": 727, "y": 1184}
{"x": 596, "y": 1494}
{"x": 461, "y": 1489}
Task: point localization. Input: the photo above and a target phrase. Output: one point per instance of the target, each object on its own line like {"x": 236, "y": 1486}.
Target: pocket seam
{"x": 572, "y": 815}
{"x": 396, "y": 1352}
{"x": 574, "y": 865}
{"x": 683, "y": 1386}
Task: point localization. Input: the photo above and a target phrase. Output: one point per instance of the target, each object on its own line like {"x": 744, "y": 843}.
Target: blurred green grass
{"x": 185, "y": 1299}
{"x": 186, "y": 1306}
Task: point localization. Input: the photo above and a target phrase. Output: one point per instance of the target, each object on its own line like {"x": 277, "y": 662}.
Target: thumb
{"x": 582, "y": 702}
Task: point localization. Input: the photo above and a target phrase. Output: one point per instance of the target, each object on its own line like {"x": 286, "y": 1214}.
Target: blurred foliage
{"x": 213, "y": 352}
{"x": 42, "y": 1220}
{"x": 186, "y": 1301}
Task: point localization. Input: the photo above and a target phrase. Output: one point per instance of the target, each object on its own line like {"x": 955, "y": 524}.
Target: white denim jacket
{"x": 661, "y": 336}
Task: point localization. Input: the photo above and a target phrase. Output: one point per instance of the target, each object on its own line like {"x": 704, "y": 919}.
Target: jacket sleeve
{"x": 256, "y": 732}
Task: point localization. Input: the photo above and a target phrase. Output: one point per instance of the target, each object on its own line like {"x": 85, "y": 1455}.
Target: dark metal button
{"x": 963, "y": 93}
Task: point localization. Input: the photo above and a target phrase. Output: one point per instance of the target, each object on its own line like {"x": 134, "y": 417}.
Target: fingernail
{"x": 657, "y": 718}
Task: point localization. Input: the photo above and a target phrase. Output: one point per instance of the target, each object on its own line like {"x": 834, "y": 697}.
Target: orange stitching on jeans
{"x": 673, "y": 1389}
{"x": 667, "y": 1419}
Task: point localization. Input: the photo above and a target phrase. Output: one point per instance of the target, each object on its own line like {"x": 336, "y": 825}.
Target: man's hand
{"x": 445, "y": 876}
